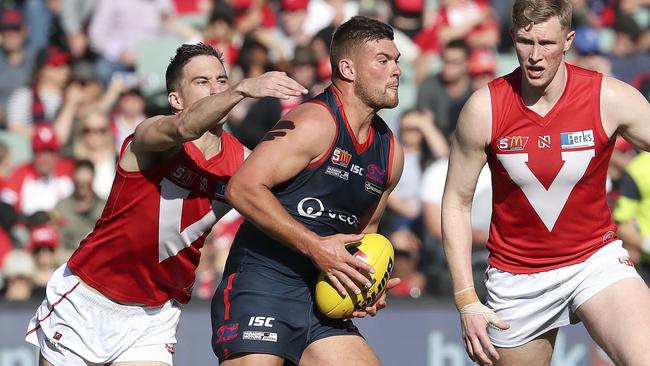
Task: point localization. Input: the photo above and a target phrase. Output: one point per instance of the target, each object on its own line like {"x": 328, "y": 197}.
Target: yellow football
{"x": 373, "y": 249}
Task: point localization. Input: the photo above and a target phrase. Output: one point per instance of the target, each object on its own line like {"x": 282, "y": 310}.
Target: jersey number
{"x": 547, "y": 203}
{"x": 171, "y": 239}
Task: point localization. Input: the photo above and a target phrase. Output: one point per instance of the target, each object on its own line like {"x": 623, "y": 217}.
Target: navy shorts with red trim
{"x": 255, "y": 311}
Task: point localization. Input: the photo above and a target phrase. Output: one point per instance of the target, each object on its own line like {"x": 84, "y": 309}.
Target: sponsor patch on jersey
{"x": 220, "y": 190}
{"x": 373, "y": 188}
{"x": 572, "y": 140}
{"x": 609, "y": 236}
{"x": 183, "y": 175}
{"x": 375, "y": 174}
{"x": 341, "y": 157}
{"x": 260, "y": 336}
{"x": 227, "y": 332}
{"x": 336, "y": 172}
{"x": 512, "y": 143}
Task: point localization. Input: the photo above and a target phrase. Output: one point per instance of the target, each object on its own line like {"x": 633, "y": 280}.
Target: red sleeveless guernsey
{"x": 145, "y": 247}
{"x": 548, "y": 176}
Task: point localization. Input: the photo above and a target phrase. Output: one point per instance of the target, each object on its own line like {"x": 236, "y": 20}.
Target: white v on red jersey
{"x": 145, "y": 247}
{"x": 548, "y": 176}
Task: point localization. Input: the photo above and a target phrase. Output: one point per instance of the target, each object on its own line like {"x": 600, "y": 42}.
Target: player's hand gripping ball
{"x": 373, "y": 249}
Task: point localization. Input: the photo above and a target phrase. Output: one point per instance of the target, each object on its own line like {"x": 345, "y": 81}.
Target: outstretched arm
{"x": 303, "y": 136}
{"x": 468, "y": 155}
{"x": 164, "y": 133}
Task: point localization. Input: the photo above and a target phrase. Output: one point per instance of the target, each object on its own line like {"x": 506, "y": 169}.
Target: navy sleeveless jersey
{"x": 330, "y": 196}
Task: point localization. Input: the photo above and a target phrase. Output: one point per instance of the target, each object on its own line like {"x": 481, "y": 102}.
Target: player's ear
{"x": 568, "y": 40}
{"x": 346, "y": 69}
{"x": 175, "y": 101}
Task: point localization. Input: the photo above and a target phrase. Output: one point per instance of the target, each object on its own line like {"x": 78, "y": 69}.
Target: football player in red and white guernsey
{"x": 547, "y": 132}
{"x": 116, "y": 300}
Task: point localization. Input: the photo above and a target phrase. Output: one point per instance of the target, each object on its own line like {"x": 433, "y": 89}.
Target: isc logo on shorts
{"x": 261, "y": 321}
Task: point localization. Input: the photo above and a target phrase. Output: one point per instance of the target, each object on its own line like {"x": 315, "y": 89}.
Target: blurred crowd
{"x": 77, "y": 76}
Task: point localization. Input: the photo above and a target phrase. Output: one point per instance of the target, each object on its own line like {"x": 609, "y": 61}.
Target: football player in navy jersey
{"x": 317, "y": 181}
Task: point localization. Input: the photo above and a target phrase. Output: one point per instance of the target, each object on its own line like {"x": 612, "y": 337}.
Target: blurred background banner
{"x": 425, "y": 333}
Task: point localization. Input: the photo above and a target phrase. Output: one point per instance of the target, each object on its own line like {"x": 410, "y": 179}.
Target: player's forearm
{"x": 166, "y": 132}
{"x": 207, "y": 114}
{"x": 457, "y": 243}
{"x": 259, "y": 205}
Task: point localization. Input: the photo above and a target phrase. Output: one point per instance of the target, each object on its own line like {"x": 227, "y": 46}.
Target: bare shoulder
{"x": 475, "y": 120}
{"x": 309, "y": 126}
{"x": 135, "y": 158}
{"x": 621, "y": 103}
{"x": 614, "y": 92}
{"x": 311, "y": 115}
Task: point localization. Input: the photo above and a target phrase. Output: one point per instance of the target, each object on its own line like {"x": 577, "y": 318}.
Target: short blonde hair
{"x": 526, "y": 13}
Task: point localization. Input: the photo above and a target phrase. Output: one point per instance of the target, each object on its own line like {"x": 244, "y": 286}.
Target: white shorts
{"x": 76, "y": 326}
{"x": 535, "y": 303}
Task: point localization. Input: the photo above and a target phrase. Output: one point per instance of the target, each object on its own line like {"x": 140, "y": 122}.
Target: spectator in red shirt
{"x": 471, "y": 20}
{"x": 41, "y": 183}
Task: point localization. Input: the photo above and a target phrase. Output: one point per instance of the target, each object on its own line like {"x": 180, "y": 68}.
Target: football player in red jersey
{"x": 116, "y": 300}
{"x": 547, "y": 131}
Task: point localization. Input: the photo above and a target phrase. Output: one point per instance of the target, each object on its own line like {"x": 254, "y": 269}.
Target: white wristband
{"x": 645, "y": 245}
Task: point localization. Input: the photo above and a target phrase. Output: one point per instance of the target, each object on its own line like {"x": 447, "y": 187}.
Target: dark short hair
{"x": 183, "y": 55}
{"x": 459, "y": 44}
{"x": 352, "y": 35}
{"x": 84, "y": 163}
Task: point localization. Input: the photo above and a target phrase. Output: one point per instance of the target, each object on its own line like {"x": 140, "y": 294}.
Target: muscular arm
{"x": 296, "y": 141}
{"x": 155, "y": 137}
{"x": 164, "y": 133}
{"x": 303, "y": 136}
{"x": 624, "y": 110}
{"x": 468, "y": 155}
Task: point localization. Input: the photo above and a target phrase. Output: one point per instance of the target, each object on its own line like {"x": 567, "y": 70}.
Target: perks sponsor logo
{"x": 260, "y": 336}
{"x": 572, "y": 140}
{"x": 375, "y": 174}
{"x": 373, "y": 188}
{"x": 336, "y": 172}
{"x": 227, "y": 332}
{"x": 341, "y": 157}
{"x": 183, "y": 176}
{"x": 512, "y": 143}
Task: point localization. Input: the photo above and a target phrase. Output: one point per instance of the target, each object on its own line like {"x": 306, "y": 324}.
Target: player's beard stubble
{"x": 378, "y": 97}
